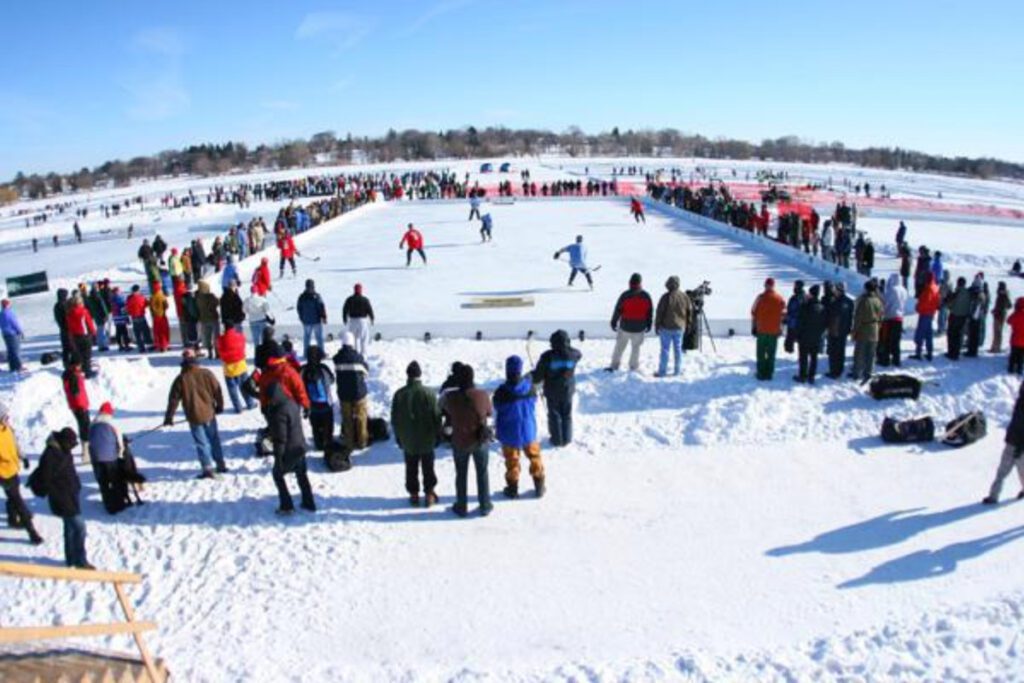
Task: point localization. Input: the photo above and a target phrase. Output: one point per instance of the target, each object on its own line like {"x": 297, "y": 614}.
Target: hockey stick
{"x": 314, "y": 259}
{"x": 281, "y": 302}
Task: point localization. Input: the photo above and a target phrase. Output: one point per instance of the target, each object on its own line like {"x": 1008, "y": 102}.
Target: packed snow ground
{"x": 703, "y": 527}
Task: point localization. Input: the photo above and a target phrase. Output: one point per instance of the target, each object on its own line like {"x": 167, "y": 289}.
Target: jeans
{"x": 924, "y": 336}
{"x": 143, "y": 339}
{"x": 234, "y": 385}
{"x": 308, "y": 331}
{"x": 256, "y": 327}
{"x": 560, "y": 420}
{"x": 483, "y": 487}
{"x": 670, "y": 339}
{"x": 102, "y": 338}
{"x": 284, "y": 496}
{"x": 209, "y": 331}
{"x": 207, "y": 440}
{"x": 74, "y": 541}
{"x": 13, "y": 345}
{"x": 943, "y": 319}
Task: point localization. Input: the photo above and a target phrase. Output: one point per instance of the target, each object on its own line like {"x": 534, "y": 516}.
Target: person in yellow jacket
{"x": 158, "y": 305}
{"x": 18, "y": 515}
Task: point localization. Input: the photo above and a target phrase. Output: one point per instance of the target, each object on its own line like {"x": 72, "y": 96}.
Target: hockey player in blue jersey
{"x": 577, "y": 260}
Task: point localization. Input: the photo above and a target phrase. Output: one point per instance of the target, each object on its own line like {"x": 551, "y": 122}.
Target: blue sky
{"x": 86, "y": 82}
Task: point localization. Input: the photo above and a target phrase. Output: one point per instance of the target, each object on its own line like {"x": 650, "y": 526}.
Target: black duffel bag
{"x": 895, "y": 386}
{"x": 966, "y": 429}
{"x": 914, "y": 430}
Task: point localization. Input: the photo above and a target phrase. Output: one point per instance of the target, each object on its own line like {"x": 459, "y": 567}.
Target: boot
{"x": 33, "y": 536}
{"x": 429, "y": 499}
{"x": 511, "y": 490}
{"x": 539, "y": 488}
{"x": 989, "y": 500}
{"x": 414, "y": 500}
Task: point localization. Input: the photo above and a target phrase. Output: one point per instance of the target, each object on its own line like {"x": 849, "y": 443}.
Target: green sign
{"x": 22, "y": 285}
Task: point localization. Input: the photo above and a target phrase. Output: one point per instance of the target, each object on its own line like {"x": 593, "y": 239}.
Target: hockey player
{"x": 486, "y": 224}
{"x": 286, "y": 246}
{"x": 637, "y": 209}
{"x": 412, "y": 241}
{"x": 577, "y": 260}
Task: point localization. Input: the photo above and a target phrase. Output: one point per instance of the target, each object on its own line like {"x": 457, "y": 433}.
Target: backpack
{"x": 316, "y": 388}
{"x": 965, "y": 429}
{"x": 337, "y": 457}
{"x": 895, "y": 386}
{"x": 914, "y": 430}
{"x": 378, "y": 429}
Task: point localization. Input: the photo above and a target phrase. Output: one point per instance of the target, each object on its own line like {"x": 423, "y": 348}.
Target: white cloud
{"x": 341, "y": 29}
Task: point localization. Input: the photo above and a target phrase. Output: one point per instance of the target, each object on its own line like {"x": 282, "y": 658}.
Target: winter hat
{"x": 135, "y": 288}
{"x": 513, "y": 368}
{"x": 464, "y": 377}
{"x": 310, "y": 285}
{"x": 106, "y": 408}
{"x": 275, "y": 350}
{"x": 265, "y": 261}
{"x": 798, "y": 285}
{"x": 174, "y": 250}
{"x": 348, "y": 339}
{"x": 188, "y": 357}
{"x": 769, "y": 283}
{"x": 67, "y": 438}
{"x": 635, "y": 280}
{"x": 358, "y": 288}
{"x": 412, "y": 371}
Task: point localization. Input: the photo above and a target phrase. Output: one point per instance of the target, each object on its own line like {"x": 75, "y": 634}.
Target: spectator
{"x": 839, "y": 320}
{"x": 811, "y": 325}
{"x": 556, "y": 370}
{"x": 284, "y": 426}
{"x": 312, "y": 315}
{"x": 351, "y": 371}
{"x": 515, "y": 423}
{"x": 198, "y": 391}
{"x": 231, "y": 351}
{"x": 670, "y": 322}
{"x": 1012, "y": 452}
{"x": 1000, "y": 310}
{"x": 867, "y": 321}
{"x": 11, "y": 460}
{"x": 928, "y": 303}
{"x": 13, "y": 335}
{"x": 106, "y": 449}
{"x": 631, "y": 320}
{"x": 208, "y": 304}
{"x": 767, "y": 313}
{"x": 468, "y": 409}
{"x": 318, "y": 380}
{"x": 416, "y": 420}
{"x": 58, "y": 478}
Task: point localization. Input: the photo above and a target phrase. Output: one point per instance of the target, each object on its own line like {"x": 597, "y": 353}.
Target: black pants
{"x": 1016, "y": 360}
{"x": 305, "y": 489}
{"x": 408, "y": 255}
{"x": 474, "y": 213}
{"x": 82, "y": 419}
{"x": 586, "y": 274}
{"x": 113, "y": 489}
{"x": 290, "y": 261}
{"x": 124, "y": 342}
{"x": 485, "y": 233}
{"x": 955, "y": 335}
{"x": 639, "y": 216}
{"x": 560, "y": 420}
{"x": 809, "y": 361}
{"x": 414, "y": 463}
{"x": 321, "y": 423}
{"x": 836, "y": 356}
{"x": 973, "y": 337}
{"x": 18, "y": 514}
{"x": 83, "y": 352}
{"x": 889, "y": 344}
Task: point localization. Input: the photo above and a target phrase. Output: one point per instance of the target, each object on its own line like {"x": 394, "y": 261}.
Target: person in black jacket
{"x": 556, "y": 370}
{"x": 60, "y": 316}
{"x": 57, "y": 475}
{"x": 810, "y": 327}
{"x": 351, "y": 370}
{"x": 631, "y": 320}
{"x": 357, "y": 314}
{"x": 284, "y": 427}
{"x": 232, "y": 313}
{"x": 838, "y": 323}
{"x": 1013, "y": 453}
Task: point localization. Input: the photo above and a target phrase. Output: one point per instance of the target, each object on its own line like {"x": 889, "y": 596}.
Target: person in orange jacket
{"x": 280, "y": 370}
{"x": 767, "y": 312}
{"x": 158, "y": 305}
{"x": 1016, "y": 323}
{"x": 637, "y": 209}
{"x": 286, "y": 246}
{"x": 261, "y": 276}
{"x": 928, "y": 303}
{"x": 412, "y": 241}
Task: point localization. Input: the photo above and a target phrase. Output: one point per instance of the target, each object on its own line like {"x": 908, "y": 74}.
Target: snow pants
{"x": 161, "y": 333}
{"x": 767, "y": 347}
{"x": 560, "y": 420}
{"x": 360, "y": 329}
{"x": 532, "y": 453}
{"x": 635, "y": 340}
{"x": 864, "y": 359}
{"x": 353, "y": 424}
{"x": 1011, "y": 458}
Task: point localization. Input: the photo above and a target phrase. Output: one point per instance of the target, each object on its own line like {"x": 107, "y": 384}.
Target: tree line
{"x": 415, "y": 145}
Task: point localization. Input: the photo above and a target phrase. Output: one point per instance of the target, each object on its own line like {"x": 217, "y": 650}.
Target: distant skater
{"x": 577, "y": 260}
{"x": 486, "y": 225}
{"x": 637, "y": 209}
{"x": 412, "y": 241}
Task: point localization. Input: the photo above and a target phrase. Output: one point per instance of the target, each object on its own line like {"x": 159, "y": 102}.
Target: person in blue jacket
{"x": 577, "y": 260}
{"x": 937, "y": 266}
{"x": 312, "y": 315}
{"x": 230, "y": 273}
{"x": 13, "y": 334}
{"x": 515, "y": 424}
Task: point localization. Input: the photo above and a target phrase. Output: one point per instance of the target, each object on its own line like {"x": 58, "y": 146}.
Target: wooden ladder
{"x": 24, "y": 634}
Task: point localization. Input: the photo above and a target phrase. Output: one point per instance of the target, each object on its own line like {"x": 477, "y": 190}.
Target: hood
{"x": 310, "y": 286}
{"x": 204, "y": 287}
{"x": 314, "y": 355}
{"x": 560, "y": 341}
{"x": 672, "y": 284}
{"x": 62, "y": 295}
{"x": 513, "y": 368}
{"x": 892, "y": 282}
{"x": 358, "y": 289}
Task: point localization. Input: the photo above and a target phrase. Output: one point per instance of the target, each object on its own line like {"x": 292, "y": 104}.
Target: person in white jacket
{"x": 895, "y": 302}
{"x": 827, "y": 240}
{"x": 257, "y": 310}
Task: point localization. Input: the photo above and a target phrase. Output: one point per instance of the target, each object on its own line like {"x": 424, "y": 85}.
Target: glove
{"x": 555, "y": 256}
{"x": 613, "y": 327}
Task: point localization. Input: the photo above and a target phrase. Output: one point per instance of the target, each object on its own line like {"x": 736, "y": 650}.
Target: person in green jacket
{"x": 416, "y": 421}
{"x": 867, "y": 321}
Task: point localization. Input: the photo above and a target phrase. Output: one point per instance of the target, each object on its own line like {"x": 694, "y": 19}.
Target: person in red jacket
{"x": 1016, "y": 323}
{"x": 286, "y": 245}
{"x": 280, "y": 370}
{"x": 637, "y": 209}
{"x": 928, "y": 303}
{"x": 78, "y": 401}
{"x": 631, "y": 320}
{"x": 81, "y": 330}
{"x": 136, "y": 307}
{"x": 412, "y": 241}
{"x": 261, "y": 276}
{"x": 231, "y": 351}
